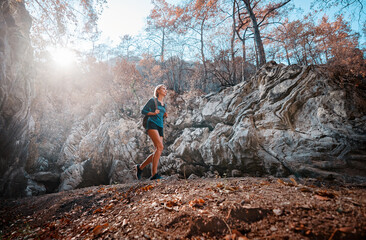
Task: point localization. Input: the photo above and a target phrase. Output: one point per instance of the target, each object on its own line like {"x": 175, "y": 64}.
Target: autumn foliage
{"x": 208, "y": 44}
{"x": 328, "y": 43}
{"x": 231, "y": 38}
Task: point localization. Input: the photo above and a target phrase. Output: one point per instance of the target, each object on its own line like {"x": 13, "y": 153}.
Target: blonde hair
{"x": 157, "y": 88}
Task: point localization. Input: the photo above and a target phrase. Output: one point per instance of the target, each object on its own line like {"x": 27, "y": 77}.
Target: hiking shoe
{"x": 156, "y": 176}
{"x": 138, "y": 172}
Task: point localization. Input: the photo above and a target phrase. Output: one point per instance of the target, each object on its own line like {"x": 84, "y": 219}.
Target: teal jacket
{"x": 150, "y": 107}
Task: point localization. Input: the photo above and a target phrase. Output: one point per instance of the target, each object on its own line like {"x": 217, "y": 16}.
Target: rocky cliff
{"x": 287, "y": 120}
{"x": 15, "y": 96}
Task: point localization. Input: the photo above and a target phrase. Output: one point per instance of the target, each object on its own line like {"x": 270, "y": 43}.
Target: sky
{"x": 121, "y": 17}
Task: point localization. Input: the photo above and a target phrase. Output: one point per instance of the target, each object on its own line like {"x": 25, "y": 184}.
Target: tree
{"x": 339, "y": 46}
{"x": 327, "y": 43}
{"x": 258, "y": 16}
{"x": 176, "y": 74}
{"x": 128, "y": 78}
{"x": 221, "y": 68}
{"x": 284, "y": 40}
{"x": 56, "y": 22}
{"x": 150, "y": 70}
{"x": 344, "y": 5}
{"x": 124, "y": 47}
{"x": 223, "y": 46}
{"x": 160, "y": 23}
{"x": 199, "y": 16}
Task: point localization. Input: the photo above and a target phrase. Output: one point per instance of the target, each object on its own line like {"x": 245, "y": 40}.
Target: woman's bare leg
{"x": 156, "y": 158}
{"x": 147, "y": 161}
{"x": 158, "y": 143}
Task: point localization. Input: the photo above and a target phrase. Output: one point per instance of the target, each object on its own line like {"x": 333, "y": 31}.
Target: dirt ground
{"x": 221, "y": 208}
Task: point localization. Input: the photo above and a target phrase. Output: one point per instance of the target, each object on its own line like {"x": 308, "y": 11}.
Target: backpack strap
{"x": 156, "y": 104}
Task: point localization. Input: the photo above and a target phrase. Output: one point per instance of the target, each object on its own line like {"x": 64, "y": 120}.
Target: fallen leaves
{"x": 291, "y": 183}
{"x": 288, "y": 209}
{"x": 103, "y": 209}
{"x": 343, "y": 230}
{"x": 172, "y": 204}
{"x": 302, "y": 229}
{"x": 100, "y": 229}
{"x": 147, "y": 188}
{"x": 235, "y": 235}
{"x": 305, "y": 189}
{"x": 321, "y": 198}
{"x": 265, "y": 183}
{"x": 223, "y": 188}
{"x": 325, "y": 193}
{"x": 197, "y": 203}
{"x": 321, "y": 194}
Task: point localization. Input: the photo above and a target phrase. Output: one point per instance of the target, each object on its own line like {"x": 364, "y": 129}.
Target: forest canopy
{"x": 205, "y": 44}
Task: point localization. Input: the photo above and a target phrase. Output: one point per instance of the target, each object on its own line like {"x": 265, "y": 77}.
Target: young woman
{"x": 154, "y": 129}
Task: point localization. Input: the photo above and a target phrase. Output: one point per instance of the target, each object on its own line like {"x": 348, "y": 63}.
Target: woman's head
{"x": 158, "y": 90}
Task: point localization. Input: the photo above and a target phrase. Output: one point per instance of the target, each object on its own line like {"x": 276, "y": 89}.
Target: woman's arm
{"x": 149, "y": 107}
{"x": 166, "y": 111}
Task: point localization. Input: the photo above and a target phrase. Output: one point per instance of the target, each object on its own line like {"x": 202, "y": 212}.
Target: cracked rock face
{"x": 15, "y": 97}
{"x": 287, "y": 120}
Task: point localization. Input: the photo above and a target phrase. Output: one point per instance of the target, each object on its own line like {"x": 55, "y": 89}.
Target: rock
{"x": 34, "y": 188}
{"x": 210, "y": 175}
{"x": 16, "y": 184}
{"x": 236, "y": 173}
{"x": 286, "y": 120}
{"x": 215, "y": 150}
{"x": 277, "y": 211}
{"x": 193, "y": 176}
{"x": 49, "y": 180}
{"x": 187, "y": 146}
{"x": 46, "y": 177}
{"x": 120, "y": 173}
{"x": 172, "y": 177}
{"x": 42, "y": 164}
{"x": 281, "y": 122}
{"x": 16, "y": 93}
{"x": 273, "y": 229}
{"x": 72, "y": 177}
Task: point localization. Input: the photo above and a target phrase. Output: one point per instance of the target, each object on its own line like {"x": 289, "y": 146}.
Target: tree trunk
{"x": 203, "y": 57}
{"x": 287, "y": 56}
{"x": 135, "y": 93}
{"x": 162, "y": 47}
{"x": 243, "y": 72}
{"x": 257, "y": 36}
{"x": 233, "y": 80}
{"x": 256, "y": 55}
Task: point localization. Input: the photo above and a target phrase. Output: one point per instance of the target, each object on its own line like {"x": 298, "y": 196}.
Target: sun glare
{"x": 63, "y": 56}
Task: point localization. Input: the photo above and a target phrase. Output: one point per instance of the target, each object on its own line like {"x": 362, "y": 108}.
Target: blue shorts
{"x": 151, "y": 125}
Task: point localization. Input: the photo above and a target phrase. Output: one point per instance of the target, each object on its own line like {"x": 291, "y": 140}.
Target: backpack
{"x": 146, "y": 117}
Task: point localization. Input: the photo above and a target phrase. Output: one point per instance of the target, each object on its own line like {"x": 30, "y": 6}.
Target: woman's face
{"x": 162, "y": 91}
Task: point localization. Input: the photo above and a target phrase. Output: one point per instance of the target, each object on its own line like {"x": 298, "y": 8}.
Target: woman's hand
{"x": 165, "y": 115}
{"x": 157, "y": 111}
